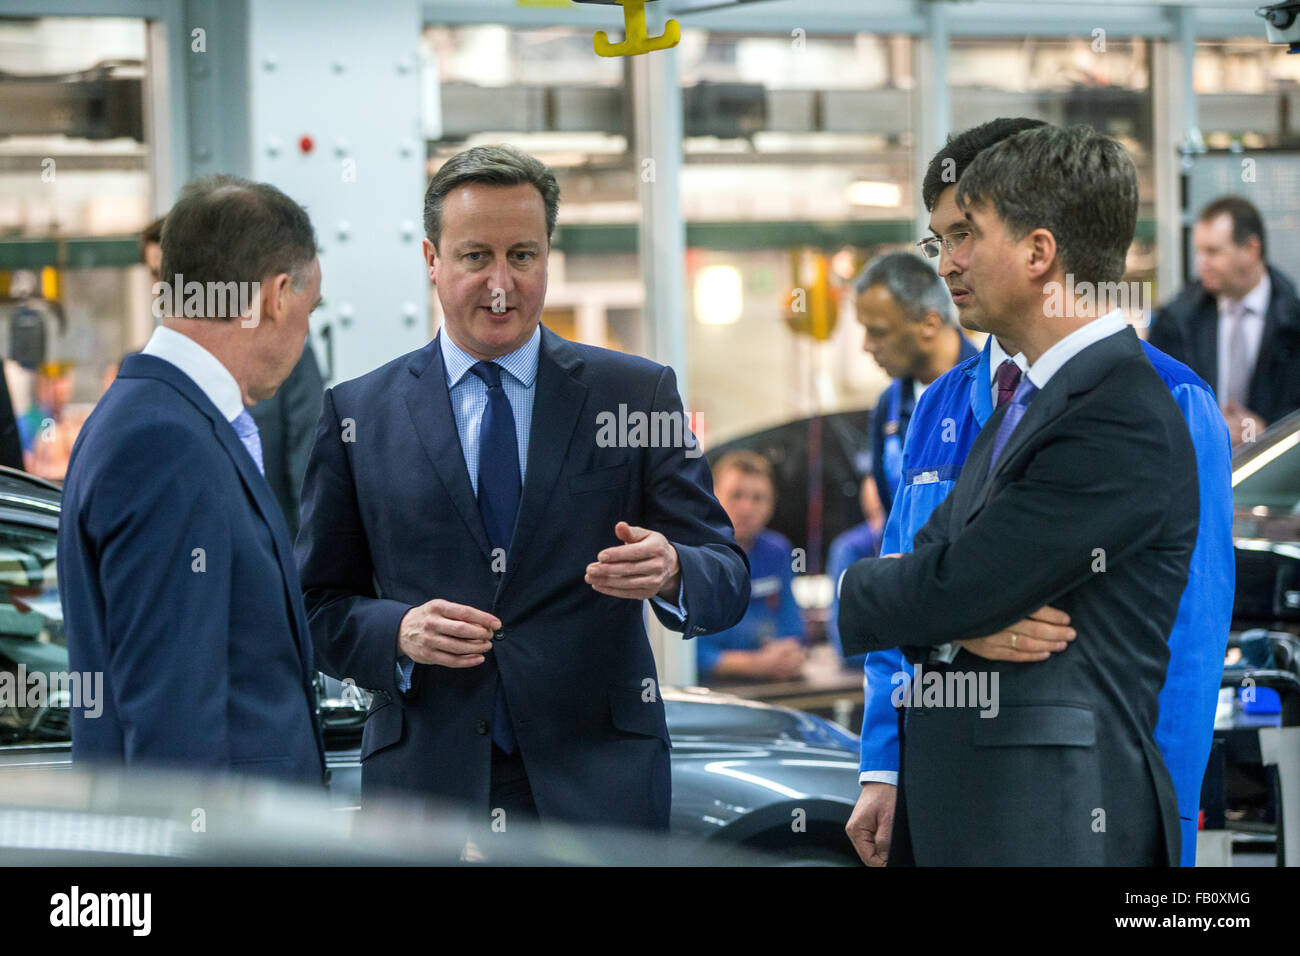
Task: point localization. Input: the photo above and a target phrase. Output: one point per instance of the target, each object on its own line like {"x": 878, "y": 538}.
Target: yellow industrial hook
{"x": 636, "y": 41}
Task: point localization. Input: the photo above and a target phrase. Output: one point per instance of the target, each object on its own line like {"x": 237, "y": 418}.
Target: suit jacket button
{"x": 499, "y": 635}
{"x": 480, "y": 727}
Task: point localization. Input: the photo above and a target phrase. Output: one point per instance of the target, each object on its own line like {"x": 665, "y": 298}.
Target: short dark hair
{"x": 227, "y": 229}
{"x": 962, "y": 148}
{"x": 1246, "y": 220}
{"x": 747, "y": 463}
{"x": 497, "y": 166}
{"x": 151, "y": 235}
{"x": 1076, "y": 183}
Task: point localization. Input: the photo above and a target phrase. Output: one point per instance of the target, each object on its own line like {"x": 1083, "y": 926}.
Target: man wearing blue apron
{"x": 911, "y": 332}
{"x": 944, "y": 427}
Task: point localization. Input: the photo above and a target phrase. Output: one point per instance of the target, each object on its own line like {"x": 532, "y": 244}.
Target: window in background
{"x": 1247, "y": 93}
{"x": 798, "y": 167}
{"x": 1101, "y": 81}
{"x": 74, "y": 163}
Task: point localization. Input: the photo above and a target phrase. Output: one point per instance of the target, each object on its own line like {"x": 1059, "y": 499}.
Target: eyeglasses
{"x": 930, "y": 245}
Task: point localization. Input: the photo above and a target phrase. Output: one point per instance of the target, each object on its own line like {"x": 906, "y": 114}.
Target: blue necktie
{"x": 499, "y": 488}
{"x": 246, "y": 429}
{"x": 1025, "y": 392}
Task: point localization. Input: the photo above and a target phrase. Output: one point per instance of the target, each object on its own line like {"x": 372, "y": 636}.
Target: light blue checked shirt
{"x": 469, "y": 396}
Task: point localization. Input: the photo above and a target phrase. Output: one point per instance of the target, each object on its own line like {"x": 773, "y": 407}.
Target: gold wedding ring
{"x": 1014, "y": 638}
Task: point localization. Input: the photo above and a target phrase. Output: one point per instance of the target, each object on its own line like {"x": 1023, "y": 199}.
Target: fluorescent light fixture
{"x": 866, "y": 192}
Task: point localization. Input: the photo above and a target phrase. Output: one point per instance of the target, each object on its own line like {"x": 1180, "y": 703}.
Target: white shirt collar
{"x": 202, "y": 368}
{"x": 1050, "y": 362}
{"x": 521, "y": 363}
{"x": 998, "y": 355}
{"x": 1255, "y": 301}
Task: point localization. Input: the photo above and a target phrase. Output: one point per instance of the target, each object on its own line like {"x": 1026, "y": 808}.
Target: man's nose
{"x": 947, "y": 261}
{"x": 500, "y": 279}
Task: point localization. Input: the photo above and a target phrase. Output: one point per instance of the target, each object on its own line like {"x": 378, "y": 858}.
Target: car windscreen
{"x": 1271, "y": 479}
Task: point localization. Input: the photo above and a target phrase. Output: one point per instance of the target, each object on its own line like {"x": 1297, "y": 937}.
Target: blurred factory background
{"x": 787, "y": 156}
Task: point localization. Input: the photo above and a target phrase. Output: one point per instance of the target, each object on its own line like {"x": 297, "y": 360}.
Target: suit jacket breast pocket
{"x": 601, "y": 479}
{"x": 383, "y": 729}
{"x": 1038, "y": 725}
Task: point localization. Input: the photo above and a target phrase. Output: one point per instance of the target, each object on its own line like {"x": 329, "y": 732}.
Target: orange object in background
{"x": 811, "y": 307}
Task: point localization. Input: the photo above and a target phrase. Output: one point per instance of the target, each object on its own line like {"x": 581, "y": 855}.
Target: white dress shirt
{"x": 1256, "y": 304}
{"x": 200, "y": 366}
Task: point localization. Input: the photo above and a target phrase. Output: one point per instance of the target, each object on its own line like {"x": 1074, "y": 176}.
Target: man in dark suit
{"x": 175, "y": 568}
{"x": 1238, "y": 327}
{"x": 1055, "y": 761}
{"x": 483, "y": 520}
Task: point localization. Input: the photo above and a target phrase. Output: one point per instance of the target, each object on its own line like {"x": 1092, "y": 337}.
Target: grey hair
{"x": 497, "y": 166}
{"x": 915, "y": 286}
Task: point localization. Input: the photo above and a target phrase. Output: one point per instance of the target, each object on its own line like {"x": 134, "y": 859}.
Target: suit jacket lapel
{"x": 1275, "y": 317}
{"x": 429, "y": 401}
{"x": 1043, "y": 410}
{"x": 148, "y": 366}
{"x": 1205, "y": 328}
{"x": 558, "y": 398}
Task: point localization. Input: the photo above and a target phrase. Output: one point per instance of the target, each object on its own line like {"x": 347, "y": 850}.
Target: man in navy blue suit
{"x": 482, "y": 521}
{"x": 175, "y": 567}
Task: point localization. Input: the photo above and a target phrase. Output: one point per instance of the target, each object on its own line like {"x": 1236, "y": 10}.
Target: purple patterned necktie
{"x": 246, "y": 429}
{"x": 1008, "y": 377}
{"x": 1025, "y": 392}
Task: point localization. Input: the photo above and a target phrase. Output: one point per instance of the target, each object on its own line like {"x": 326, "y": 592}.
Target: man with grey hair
{"x": 911, "y": 331}
{"x": 175, "y": 568}
{"x": 478, "y": 540}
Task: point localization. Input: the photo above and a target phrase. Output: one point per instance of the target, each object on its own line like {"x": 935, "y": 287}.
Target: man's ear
{"x": 273, "y": 299}
{"x": 929, "y": 325}
{"x": 1041, "y": 253}
{"x": 430, "y": 259}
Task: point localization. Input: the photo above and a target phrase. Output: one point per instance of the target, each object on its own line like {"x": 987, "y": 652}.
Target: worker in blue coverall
{"x": 768, "y": 643}
{"x": 944, "y": 425}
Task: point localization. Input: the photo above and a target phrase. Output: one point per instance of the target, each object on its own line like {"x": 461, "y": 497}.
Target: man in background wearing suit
{"x": 175, "y": 568}
{"x": 483, "y": 520}
{"x": 1238, "y": 327}
{"x": 1053, "y": 761}
{"x": 287, "y": 424}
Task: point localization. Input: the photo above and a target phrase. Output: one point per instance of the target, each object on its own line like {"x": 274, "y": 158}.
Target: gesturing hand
{"x": 449, "y": 635}
{"x": 643, "y": 566}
